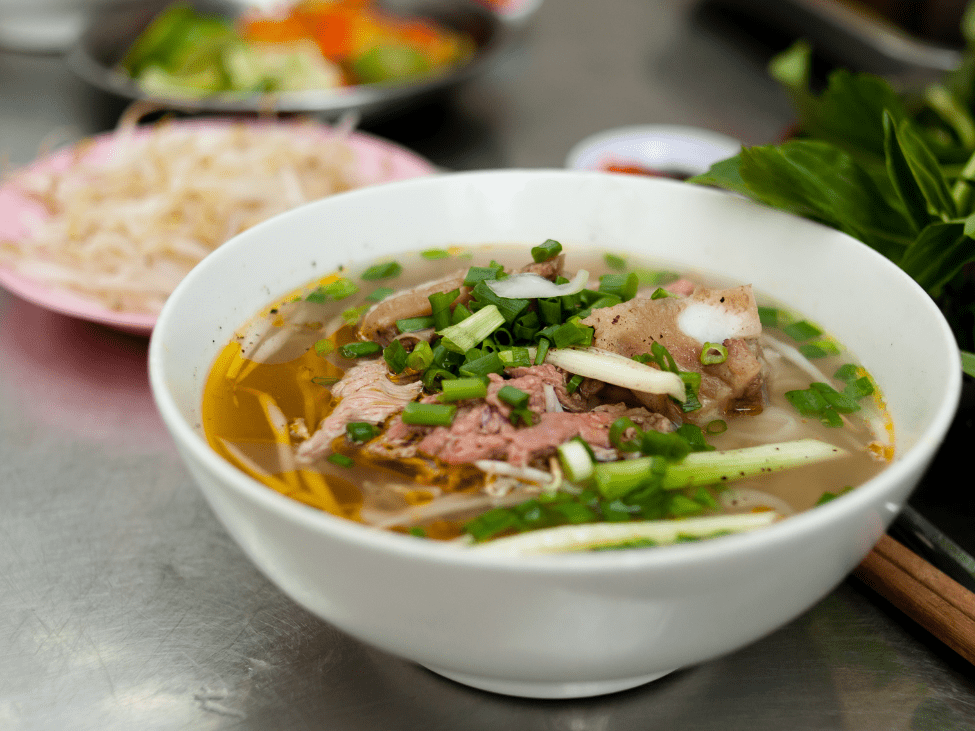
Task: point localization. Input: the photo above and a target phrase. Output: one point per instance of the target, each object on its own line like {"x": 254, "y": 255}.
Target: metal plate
{"x": 112, "y": 29}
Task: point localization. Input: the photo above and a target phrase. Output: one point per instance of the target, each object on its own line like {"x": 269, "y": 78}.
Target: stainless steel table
{"x": 124, "y": 604}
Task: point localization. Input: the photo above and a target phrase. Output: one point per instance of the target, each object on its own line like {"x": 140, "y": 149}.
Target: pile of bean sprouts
{"x": 124, "y": 222}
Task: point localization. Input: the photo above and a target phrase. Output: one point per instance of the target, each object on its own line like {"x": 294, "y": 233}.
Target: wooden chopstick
{"x": 930, "y": 597}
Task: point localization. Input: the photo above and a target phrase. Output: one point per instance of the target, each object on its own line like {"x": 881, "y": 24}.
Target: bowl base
{"x": 546, "y": 689}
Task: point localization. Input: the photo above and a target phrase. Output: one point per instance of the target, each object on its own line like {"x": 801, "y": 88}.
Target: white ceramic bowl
{"x": 662, "y": 147}
{"x": 567, "y": 625}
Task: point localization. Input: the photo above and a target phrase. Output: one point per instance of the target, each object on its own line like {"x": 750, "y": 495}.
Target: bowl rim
{"x": 671, "y": 556}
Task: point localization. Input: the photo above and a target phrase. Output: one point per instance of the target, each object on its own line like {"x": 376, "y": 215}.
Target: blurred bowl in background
{"x": 671, "y": 151}
{"x": 111, "y": 30}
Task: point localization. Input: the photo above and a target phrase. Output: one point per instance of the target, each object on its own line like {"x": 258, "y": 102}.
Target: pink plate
{"x": 379, "y": 160}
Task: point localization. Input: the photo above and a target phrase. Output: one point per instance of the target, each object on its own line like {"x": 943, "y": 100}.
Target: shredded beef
{"x": 482, "y": 429}
{"x": 365, "y": 393}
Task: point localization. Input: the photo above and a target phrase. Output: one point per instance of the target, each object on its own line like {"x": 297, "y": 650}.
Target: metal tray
{"x": 112, "y": 28}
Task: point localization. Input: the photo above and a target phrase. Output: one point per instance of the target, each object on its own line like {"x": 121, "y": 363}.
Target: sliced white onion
{"x": 528, "y": 474}
{"x": 526, "y": 285}
{"x": 617, "y": 369}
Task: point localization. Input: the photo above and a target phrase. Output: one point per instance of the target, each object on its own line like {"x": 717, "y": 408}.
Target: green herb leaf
{"x": 906, "y": 149}
{"x": 387, "y": 270}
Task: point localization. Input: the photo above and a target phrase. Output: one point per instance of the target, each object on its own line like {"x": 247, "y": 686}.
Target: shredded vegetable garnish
{"x": 124, "y": 227}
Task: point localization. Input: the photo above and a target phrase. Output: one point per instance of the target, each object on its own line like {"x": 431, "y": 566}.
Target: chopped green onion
{"x": 459, "y": 314}
{"x": 543, "y": 346}
{"x": 807, "y": 401}
{"x": 413, "y": 324}
{"x": 572, "y": 385}
{"x": 434, "y": 377}
{"x": 515, "y": 357}
{"x": 550, "y": 310}
{"x": 576, "y": 459}
{"x": 341, "y": 460}
{"x": 801, "y": 331}
{"x": 694, "y": 436}
{"x": 526, "y": 326}
{"x": 830, "y": 496}
{"x": 713, "y": 354}
{"x": 660, "y": 293}
{"x": 847, "y": 373}
{"x": 819, "y": 349}
{"x": 440, "y": 303}
{"x": 433, "y": 254}
{"x": 325, "y": 380}
{"x": 681, "y": 506}
{"x": 324, "y": 347}
{"x": 465, "y": 335}
{"x": 417, "y": 532}
{"x": 383, "y": 271}
{"x": 839, "y": 401}
{"x": 395, "y": 356}
{"x": 514, "y": 397}
{"x": 379, "y": 294}
{"x": 352, "y": 314}
{"x": 659, "y": 444}
{"x": 548, "y": 249}
{"x": 521, "y": 415}
{"x": 476, "y": 275}
{"x": 459, "y": 389}
{"x": 480, "y": 367}
{"x": 773, "y": 317}
{"x": 509, "y": 307}
{"x": 337, "y": 290}
{"x": 716, "y": 426}
{"x": 614, "y": 261}
{"x": 623, "y": 286}
{"x": 492, "y": 523}
{"x": 428, "y": 414}
{"x": 648, "y": 277}
{"x": 572, "y": 332}
{"x": 616, "y": 431}
{"x": 360, "y": 431}
{"x": 359, "y": 350}
{"x": 421, "y": 357}
{"x": 859, "y": 388}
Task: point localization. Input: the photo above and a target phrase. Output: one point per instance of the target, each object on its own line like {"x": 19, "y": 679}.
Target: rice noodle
{"x": 126, "y": 220}
{"x": 795, "y": 357}
{"x": 452, "y": 504}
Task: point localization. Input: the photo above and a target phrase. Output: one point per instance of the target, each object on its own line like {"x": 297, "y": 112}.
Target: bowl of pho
{"x": 552, "y": 433}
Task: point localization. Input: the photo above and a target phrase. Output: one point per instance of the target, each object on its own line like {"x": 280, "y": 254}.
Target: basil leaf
{"x": 725, "y": 174}
{"x": 901, "y": 176}
{"x": 938, "y": 254}
{"x": 924, "y": 167}
{"x": 818, "y": 180}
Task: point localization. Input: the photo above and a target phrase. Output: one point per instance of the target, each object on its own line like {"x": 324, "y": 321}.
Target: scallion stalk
{"x": 428, "y": 414}
{"x": 548, "y": 249}
{"x": 466, "y": 334}
{"x": 713, "y": 354}
{"x": 459, "y": 389}
{"x": 360, "y": 350}
{"x": 576, "y": 460}
{"x": 592, "y": 536}
{"x": 721, "y": 466}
